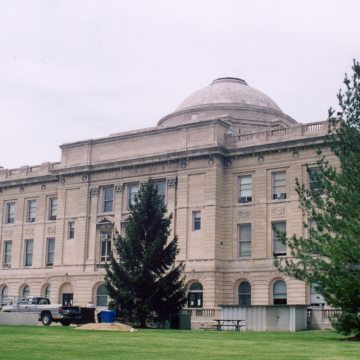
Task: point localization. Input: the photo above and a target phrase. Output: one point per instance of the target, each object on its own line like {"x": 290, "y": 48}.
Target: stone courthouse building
{"x": 225, "y": 162}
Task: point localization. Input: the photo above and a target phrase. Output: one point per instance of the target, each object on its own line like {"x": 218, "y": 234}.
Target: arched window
{"x": 26, "y": 291}
{"x": 279, "y": 292}
{"x": 195, "y": 296}
{"x": 47, "y": 292}
{"x": 101, "y": 296}
{"x": 244, "y": 293}
{"x": 4, "y": 295}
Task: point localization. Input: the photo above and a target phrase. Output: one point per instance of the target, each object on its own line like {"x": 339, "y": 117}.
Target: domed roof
{"x": 231, "y": 98}
{"x": 227, "y": 90}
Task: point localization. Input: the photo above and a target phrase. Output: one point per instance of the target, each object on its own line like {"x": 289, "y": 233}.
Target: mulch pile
{"x": 107, "y": 327}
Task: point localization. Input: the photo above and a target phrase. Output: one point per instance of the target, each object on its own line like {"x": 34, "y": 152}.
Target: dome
{"x": 228, "y": 90}
{"x": 229, "y": 97}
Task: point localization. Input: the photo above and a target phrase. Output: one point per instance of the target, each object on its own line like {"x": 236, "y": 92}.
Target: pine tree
{"x": 144, "y": 283}
{"x": 330, "y": 256}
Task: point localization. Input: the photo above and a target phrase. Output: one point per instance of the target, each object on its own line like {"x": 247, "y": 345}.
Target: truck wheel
{"x": 46, "y": 319}
{"x": 65, "y": 322}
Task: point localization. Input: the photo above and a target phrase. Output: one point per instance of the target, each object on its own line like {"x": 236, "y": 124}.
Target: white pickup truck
{"x": 47, "y": 312}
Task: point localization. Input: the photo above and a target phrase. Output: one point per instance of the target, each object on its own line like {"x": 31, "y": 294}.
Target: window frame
{"x": 244, "y": 198}
{"x": 314, "y": 185}
{"x": 276, "y": 240}
{"x": 28, "y": 252}
{"x": 10, "y": 219}
{"x": 279, "y": 298}
{"x": 53, "y": 204}
{"x": 242, "y": 241}
{"x": 31, "y": 210}
{"x": 244, "y": 298}
{"x": 196, "y": 220}
{"x": 104, "y": 257}
{"x": 130, "y": 196}
{"x": 7, "y": 254}
{"x": 161, "y": 196}
{"x": 101, "y": 297}
{"x": 50, "y": 254}
{"x": 107, "y": 201}
{"x": 276, "y": 194}
{"x": 71, "y": 230}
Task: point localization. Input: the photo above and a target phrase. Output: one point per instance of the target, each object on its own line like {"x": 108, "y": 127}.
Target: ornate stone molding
{"x": 183, "y": 163}
{"x": 51, "y": 230}
{"x": 172, "y": 182}
{"x": 244, "y": 214}
{"x": 94, "y": 191}
{"x": 29, "y": 231}
{"x": 8, "y": 232}
{"x": 278, "y": 212}
{"x": 119, "y": 188}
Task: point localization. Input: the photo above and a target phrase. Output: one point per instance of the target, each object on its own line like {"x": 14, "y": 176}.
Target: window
{"x": 47, "y": 292}
{"x": 161, "y": 187}
{"x": 71, "y": 229}
{"x": 31, "y": 211}
{"x": 50, "y": 251}
{"x": 245, "y": 189}
{"x": 279, "y": 293}
{"x": 279, "y": 185}
{"x": 316, "y": 299}
{"x": 52, "y": 208}
{"x": 195, "y": 296}
{"x": 132, "y": 192}
{"x": 279, "y": 248}
{"x": 101, "y": 296}
{"x": 7, "y": 253}
{"x": 26, "y": 291}
{"x": 196, "y": 220}
{"x": 244, "y": 240}
{"x": 28, "y": 252}
{"x": 315, "y": 180}
{"x": 108, "y": 198}
{"x": 105, "y": 246}
{"x": 4, "y": 295}
{"x": 244, "y": 293}
{"x": 10, "y": 213}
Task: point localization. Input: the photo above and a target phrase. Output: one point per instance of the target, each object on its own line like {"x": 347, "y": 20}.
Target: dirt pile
{"x": 107, "y": 327}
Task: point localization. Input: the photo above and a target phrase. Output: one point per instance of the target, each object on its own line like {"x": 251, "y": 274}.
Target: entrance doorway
{"x": 67, "y": 299}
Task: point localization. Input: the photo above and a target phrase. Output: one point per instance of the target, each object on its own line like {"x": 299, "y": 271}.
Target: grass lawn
{"x": 56, "y": 342}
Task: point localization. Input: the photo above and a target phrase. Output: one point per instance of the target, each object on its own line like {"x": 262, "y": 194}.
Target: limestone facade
{"x": 227, "y": 170}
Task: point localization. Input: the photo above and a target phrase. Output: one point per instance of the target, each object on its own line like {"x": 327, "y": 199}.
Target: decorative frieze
{"x": 119, "y": 188}
{"x": 51, "y": 230}
{"x": 94, "y": 191}
{"x": 244, "y": 214}
{"x": 172, "y": 182}
{"x": 183, "y": 163}
{"x": 30, "y": 232}
{"x": 277, "y": 212}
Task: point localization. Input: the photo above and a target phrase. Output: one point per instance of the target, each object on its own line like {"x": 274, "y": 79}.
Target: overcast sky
{"x": 78, "y": 69}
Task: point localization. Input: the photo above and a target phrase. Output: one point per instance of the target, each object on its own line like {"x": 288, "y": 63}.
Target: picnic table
{"x": 236, "y": 323}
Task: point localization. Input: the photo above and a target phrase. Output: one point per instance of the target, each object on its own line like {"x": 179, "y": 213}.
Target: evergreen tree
{"x": 143, "y": 281}
{"x": 330, "y": 256}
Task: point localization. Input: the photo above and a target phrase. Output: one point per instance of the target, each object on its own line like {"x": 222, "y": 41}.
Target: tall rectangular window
{"x": 108, "y": 198}
{"x": 244, "y": 240}
{"x": 279, "y": 185}
{"x": 71, "y": 229}
{"x": 50, "y": 251}
{"x": 133, "y": 189}
{"x": 105, "y": 246}
{"x": 10, "y": 213}
{"x": 245, "y": 189}
{"x": 7, "y": 253}
{"x": 31, "y": 211}
{"x": 196, "y": 220}
{"x": 161, "y": 188}
{"x": 279, "y": 248}
{"x": 52, "y": 208}
{"x": 314, "y": 179}
{"x": 28, "y": 252}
